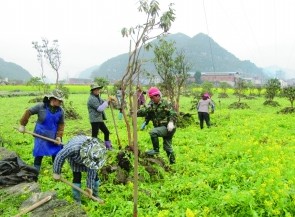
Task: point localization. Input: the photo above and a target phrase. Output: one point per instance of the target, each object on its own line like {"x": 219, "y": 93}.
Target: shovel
{"x": 82, "y": 191}
{"x": 114, "y": 120}
{"x": 40, "y": 136}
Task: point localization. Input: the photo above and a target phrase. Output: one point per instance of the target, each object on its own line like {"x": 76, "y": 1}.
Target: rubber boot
{"x": 76, "y": 193}
{"x": 38, "y": 167}
{"x": 120, "y": 116}
{"x": 171, "y": 157}
{"x": 155, "y": 141}
{"x": 95, "y": 189}
{"x": 108, "y": 145}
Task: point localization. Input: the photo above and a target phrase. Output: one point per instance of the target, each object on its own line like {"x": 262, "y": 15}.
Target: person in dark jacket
{"x": 96, "y": 107}
{"x": 164, "y": 117}
{"x": 50, "y": 123}
{"x": 84, "y": 154}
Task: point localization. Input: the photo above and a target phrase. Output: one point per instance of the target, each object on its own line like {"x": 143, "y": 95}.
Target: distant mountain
{"x": 87, "y": 72}
{"x": 278, "y": 72}
{"x": 201, "y": 51}
{"x": 13, "y": 71}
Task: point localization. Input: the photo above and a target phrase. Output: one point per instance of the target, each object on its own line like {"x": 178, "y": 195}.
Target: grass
{"x": 242, "y": 166}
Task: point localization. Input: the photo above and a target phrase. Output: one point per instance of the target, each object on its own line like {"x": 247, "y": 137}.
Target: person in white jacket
{"x": 203, "y": 110}
{"x": 96, "y": 109}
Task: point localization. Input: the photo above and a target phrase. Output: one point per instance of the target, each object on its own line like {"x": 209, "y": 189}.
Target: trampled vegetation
{"x": 242, "y": 166}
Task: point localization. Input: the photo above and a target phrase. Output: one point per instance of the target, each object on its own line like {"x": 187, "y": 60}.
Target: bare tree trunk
{"x": 126, "y": 118}
{"x": 135, "y": 146}
{"x": 57, "y": 78}
{"x": 177, "y": 100}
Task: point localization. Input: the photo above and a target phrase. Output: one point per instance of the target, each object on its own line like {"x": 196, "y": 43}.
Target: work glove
{"x": 58, "y": 140}
{"x": 143, "y": 126}
{"x": 22, "y": 128}
{"x": 56, "y": 176}
{"x": 112, "y": 99}
{"x": 89, "y": 192}
{"x": 170, "y": 126}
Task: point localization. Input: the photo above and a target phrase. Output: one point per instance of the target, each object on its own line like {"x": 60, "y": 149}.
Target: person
{"x": 96, "y": 107}
{"x": 164, "y": 117}
{"x": 203, "y": 110}
{"x": 119, "y": 99}
{"x": 84, "y": 154}
{"x": 50, "y": 123}
{"x": 140, "y": 96}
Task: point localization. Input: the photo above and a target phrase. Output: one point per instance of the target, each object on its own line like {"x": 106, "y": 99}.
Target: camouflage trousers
{"x": 162, "y": 131}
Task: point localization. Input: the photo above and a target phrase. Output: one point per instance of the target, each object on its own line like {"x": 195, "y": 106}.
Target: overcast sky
{"x": 89, "y": 31}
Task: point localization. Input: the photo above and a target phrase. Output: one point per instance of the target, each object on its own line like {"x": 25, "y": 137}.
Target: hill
{"x": 87, "y": 72}
{"x": 13, "y": 71}
{"x": 201, "y": 51}
{"x": 198, "y": 52}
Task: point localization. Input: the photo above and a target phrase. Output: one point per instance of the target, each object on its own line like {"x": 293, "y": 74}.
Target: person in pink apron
{"x": 50, "y": 123}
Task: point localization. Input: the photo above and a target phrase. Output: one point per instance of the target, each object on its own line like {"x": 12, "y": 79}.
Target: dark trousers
{"x": 38, "y": 160}
{"x": 77, "y": 176}
{"x": 100, "y": 125}
{"x": 204, "y": 116}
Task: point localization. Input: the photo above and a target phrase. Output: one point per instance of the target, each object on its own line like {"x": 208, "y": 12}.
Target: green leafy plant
{"x": 243, "y": 166}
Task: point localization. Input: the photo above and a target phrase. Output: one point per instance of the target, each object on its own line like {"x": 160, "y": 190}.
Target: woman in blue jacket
{"x": 50, "y": 123}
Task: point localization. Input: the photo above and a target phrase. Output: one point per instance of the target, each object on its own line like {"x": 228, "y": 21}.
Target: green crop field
{"x": 242, "y": 166}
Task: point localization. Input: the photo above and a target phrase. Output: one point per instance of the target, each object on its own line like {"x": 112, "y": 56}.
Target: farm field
{"x": 242, "y": 166}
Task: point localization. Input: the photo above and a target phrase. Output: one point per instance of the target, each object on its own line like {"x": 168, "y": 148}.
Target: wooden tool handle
{"x": 40, "y": 136}
{"x": 82, "y": 191}
{"x": 34, "y": 206}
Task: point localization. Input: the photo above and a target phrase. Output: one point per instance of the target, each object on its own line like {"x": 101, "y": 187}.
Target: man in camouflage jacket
{"x": 164, "y": 117}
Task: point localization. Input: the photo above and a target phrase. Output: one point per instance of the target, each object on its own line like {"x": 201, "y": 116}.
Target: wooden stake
{"x": 34, "y": 206}
{"x": 114, "y": 120}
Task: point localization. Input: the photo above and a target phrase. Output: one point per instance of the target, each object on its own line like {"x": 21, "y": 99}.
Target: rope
{"x": 209, "y": 39}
